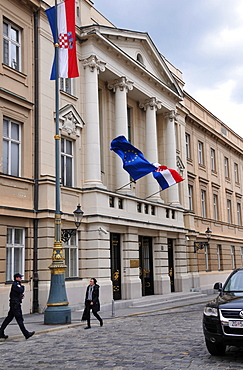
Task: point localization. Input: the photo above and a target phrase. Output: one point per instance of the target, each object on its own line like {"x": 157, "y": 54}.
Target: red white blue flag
{"x": 64, "y": 35}
{"x": 166, "y": 177}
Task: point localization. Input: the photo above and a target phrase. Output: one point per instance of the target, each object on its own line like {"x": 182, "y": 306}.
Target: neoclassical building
{"x": 135, "y": 239}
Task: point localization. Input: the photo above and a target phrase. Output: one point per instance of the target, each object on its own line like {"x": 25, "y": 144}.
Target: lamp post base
{"x": 55, "y": 315}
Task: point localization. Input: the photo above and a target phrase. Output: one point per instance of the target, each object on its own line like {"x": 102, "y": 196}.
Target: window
{"x": 129, "y": 124}
{"x": 66, "y": 85}
{"x": 203, "y": 202}
{"x": 11, "y": 45}
{"x": 206, "y": 253}
{"x": 229, "y": 210}
{"x": 200, "y": 152}
{"x": 236, "y": 172}
{"x": 71, "y": 257}
{"x": 15, "y": 252}
{"x": 11, "y": 147}
{"x": 112, "y": 201}
{"x": 67, "y": 162}
{"x": 140, "y": 58}
{"x": 190, "y": 192}
{"x": 232, "y": 250}
{"x": 120, "y": 203}
{"x": 219, "y": 256}
{"x": 212, "y": 152}
{"x": 153, "y": 210}
{"x": 226, "y": 167}
{"x": 188, "y": 146}
{"x": 146, "y": 209}
{"x": 215, "y": 207}
{"x": 239, "y": 214}
{"x": 139, "y": 207}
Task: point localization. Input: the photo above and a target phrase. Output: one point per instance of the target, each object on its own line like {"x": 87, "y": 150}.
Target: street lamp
{"x": 201, "y": 245}
{"x": 67, "y": 233}
{"x": 57, "y": 311}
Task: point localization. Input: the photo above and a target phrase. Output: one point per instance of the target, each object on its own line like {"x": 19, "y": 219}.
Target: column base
{"x": 55, "y": 315}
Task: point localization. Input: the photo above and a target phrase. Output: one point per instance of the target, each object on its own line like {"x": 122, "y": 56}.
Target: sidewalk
{"x": 122, "y": 308}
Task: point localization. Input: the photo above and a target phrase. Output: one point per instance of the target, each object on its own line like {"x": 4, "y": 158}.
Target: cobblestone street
{"x": 169, "y": 339}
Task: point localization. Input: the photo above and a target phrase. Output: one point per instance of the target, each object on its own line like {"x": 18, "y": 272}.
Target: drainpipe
{"x": 36, "y": 164}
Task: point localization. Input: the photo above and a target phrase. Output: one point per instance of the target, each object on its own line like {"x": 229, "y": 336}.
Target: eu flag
{"x": 133, "y": 159}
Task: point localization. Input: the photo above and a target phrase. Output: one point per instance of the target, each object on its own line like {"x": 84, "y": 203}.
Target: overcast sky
{"x": 202, "y": 38}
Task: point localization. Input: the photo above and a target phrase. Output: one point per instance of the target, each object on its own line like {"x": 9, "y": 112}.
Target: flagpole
{"x": 125, "y": 185}
{"x": 57, "y": 311}
{"x": 153, "y": 194}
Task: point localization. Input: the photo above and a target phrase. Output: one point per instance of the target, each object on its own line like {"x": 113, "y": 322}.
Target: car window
{"x": 235, "y": 283}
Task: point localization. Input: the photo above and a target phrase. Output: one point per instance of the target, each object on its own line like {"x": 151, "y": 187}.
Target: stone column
{"x": 173, "y": 193}
{"x": 121, "y": 87}
{"x": 151, "y": 143}
{"x": 92, "y": 67}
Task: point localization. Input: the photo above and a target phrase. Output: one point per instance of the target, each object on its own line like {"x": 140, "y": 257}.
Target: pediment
{"x": 70, "y": 122}
{"x": 139, "y": 47}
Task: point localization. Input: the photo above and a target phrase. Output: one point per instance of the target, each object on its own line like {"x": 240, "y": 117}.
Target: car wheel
{"x": 215, "y": 349}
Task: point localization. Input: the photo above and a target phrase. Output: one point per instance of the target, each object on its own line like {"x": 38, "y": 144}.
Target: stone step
{"x": 166, "y": 299}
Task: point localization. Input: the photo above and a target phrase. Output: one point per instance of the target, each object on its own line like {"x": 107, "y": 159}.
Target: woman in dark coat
{"x": 92, "y": 302}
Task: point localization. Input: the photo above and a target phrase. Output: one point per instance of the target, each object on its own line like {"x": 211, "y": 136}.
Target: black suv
{"x": 223, "y": 316}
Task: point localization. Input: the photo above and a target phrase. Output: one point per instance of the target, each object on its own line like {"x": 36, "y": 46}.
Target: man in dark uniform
{"x": 16, "y": 296}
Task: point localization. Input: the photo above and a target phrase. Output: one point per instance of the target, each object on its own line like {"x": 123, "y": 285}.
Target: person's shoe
{"x": 3, "y": 336}
{"x": 101, "y": 322}
{"x": 87, "y": 327}
{"x": 29, "y": 334}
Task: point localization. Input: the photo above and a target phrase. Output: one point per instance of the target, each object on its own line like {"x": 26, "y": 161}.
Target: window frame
{"x": 232, "y": 253}
{"x": 229, "y": 211}
{"x": 213, "y": 159}
{"x": 11, "y": 248}
{"x": 215, "y": 207}
{"x": 71, "y": 264}
{"x": 7, "y": 38}
{"x": 188, "y": 145}
{"x": 236, "y": 173}
{"x": 190, "y": 197}
{"x": 66, "y": 85}
{"x": 64, "y": 156}
{"x": 226, "y": 167}
{"x": 219, "y": 256}
{"x": 200, "y": 153}
{"x": 203, "y": 203}
{"x": 10, "y": 142}
{"x": 238, "y": 210}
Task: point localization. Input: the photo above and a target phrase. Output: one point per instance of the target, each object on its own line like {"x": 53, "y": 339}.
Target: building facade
{"x": 135, "y": 239}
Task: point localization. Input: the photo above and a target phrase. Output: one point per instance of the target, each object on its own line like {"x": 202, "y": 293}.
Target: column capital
{"x": 94, "y": 63}
{"x": 151, "y": 103}
{"x": 121, "y": 83}
{"x": 171, "y": 115}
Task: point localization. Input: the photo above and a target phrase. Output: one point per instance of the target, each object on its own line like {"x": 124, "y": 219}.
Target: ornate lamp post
{"x": 57, "y": 311}
{"x": 201, "y": 245}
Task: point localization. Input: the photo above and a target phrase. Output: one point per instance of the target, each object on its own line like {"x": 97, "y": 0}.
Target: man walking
{"x": 16, "y": 296}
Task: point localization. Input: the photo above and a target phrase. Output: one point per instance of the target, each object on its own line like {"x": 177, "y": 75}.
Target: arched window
{"x": 140, "y": 58}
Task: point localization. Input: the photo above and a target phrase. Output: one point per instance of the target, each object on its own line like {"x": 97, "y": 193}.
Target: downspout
{"x": 36, "y": 164}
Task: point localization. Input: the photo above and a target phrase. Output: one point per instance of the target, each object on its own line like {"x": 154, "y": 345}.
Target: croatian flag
{"x": 64, "y": 35}
{"x": 166, "y": 177}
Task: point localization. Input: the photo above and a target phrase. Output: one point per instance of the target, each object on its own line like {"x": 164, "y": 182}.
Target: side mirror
{"x": 218, "y": 286}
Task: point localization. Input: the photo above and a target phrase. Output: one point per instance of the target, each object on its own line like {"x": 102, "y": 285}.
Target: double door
{"x": 146, "y": 265}
{"x": 115, "y": 265}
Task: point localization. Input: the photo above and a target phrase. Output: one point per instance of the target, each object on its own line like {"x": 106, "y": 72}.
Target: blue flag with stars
{"x": 133, "y": 159}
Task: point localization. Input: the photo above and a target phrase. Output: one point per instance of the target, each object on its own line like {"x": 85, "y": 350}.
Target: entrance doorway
{"x": 171, "y": 264}
{"x": 115, "y": 265}
{"x": 146, "y": 265}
